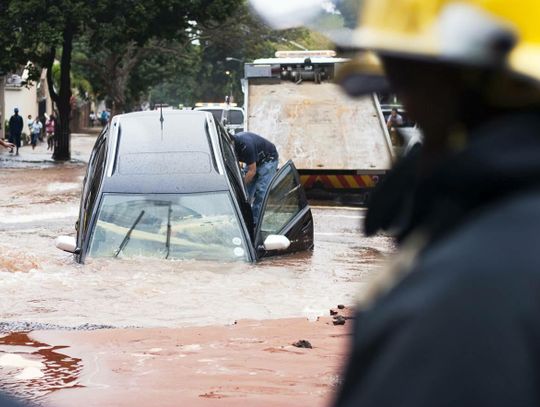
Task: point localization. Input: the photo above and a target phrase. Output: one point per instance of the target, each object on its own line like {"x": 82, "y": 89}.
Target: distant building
{"x": 33, "y": 100}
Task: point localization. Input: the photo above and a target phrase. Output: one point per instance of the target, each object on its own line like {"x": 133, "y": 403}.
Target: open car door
{"x": 285, "y": 212}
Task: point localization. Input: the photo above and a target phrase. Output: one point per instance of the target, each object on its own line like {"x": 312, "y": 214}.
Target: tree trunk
{"x": 62, "y": 146}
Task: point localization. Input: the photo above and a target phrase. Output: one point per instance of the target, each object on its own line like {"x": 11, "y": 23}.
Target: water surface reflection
{"x": 31, "y": 370}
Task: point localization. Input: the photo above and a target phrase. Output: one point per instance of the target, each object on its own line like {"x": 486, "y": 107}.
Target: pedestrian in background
{"x": 104, "y": 118}
{"x": 16, "y": 125}
{"x": 92, "y": 118}
{"x": 394, "y": 120}
{"x": 29, "y": 122}
{"x": 36, "y": 132}
{"x": 49, "y": 131}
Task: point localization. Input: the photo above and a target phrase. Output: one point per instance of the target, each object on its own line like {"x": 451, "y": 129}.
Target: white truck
{"x": 337, "y": 143}
{"x": 228, "y": 114}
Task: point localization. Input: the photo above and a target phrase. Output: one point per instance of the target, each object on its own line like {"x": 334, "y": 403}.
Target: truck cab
{"x": 228, "y": 114}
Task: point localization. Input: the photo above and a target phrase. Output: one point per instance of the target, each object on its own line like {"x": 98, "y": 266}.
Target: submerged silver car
{"x": 167, "y": 184}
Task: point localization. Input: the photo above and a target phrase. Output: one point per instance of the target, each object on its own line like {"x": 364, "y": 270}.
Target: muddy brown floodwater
{"x": 43, "y": 288}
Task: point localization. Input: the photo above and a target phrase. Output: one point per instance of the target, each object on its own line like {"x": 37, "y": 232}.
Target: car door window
{"x": 90, "y": 178}
{"x": 94, "y": 182}
{"x": 92, "y": 162}
{"x": 285, "y": 199}
{"x": 231, "y": 162}
{"x": 232, "y": 168}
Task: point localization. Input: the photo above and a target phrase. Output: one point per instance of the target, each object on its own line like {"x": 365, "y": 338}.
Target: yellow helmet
{"x": 477, "y": 32}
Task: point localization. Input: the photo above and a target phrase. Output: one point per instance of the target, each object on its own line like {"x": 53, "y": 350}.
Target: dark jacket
{"x": 251, "y": 148}
{"x": 16, "y": 125}
{"x": 461, "y": 327}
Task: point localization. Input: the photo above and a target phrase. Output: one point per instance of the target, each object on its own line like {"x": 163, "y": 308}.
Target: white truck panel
{"x": 319, "y": 127}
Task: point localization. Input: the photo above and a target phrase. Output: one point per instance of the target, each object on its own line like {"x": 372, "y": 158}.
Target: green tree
{"x": 40, "y": 31}
{"x": 128, "y": 37}
{"x": 117, "y": 33}
{"x": 243, "y": 37}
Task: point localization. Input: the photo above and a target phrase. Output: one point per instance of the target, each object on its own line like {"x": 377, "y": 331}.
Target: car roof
{"x": 169, "y": 151}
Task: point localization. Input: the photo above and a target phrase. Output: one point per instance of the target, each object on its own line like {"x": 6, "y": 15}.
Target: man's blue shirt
{"x": 251, "y": 148}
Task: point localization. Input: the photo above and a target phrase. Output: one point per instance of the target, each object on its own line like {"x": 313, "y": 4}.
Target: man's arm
{"x": 250, "y": 174}
{"x": 6, "y": 144}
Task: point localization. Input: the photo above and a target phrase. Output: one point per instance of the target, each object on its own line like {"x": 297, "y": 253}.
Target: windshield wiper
{"x": 168, "y": 241}
{"x": 128, "y": 234}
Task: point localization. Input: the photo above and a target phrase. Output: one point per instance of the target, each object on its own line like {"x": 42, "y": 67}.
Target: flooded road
{"x": 43, "y": 287}
{"x": 42, "y": 284}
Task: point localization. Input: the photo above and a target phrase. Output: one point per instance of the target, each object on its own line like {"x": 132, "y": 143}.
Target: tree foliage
{"x": 172, "y": 51}
{"x": 242, "y": 37}
{"x": 116, "y": 33}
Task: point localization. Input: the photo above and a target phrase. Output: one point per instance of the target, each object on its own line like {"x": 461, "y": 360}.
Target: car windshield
{"x": 179, "y": 226}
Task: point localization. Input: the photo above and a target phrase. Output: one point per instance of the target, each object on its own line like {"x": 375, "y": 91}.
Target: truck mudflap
{"x": 339, "y": 182}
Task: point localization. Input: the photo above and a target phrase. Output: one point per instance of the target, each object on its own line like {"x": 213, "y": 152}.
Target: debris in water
{"x": 302, "y": 343}
{"x": 339, "y": 320}
{"x": 341, "y": 306}
{"x": 333, "y": 312}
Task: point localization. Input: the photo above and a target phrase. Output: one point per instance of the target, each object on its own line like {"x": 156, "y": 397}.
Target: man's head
{"x": 394, "y": 112}
{"x": 29, "y": 116}
{"x": 16, "y": 110}
{"x": 239, "y": 145}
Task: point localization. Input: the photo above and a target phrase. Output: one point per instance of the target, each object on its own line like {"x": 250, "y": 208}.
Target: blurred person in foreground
{"x": 455, "y": 320}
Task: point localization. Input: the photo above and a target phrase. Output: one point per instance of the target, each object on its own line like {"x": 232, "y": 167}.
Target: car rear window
{"x": 236, "y": 117}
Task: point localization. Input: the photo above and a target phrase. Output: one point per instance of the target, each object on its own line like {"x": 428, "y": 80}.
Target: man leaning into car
{"x": 261, "y": 158}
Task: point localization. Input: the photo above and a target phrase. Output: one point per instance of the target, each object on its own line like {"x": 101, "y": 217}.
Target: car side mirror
{"x": 67, "y": 244}
{"x": 276, "y": 242}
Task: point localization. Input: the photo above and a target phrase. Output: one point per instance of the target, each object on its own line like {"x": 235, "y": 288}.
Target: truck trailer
{"x": 338, "y": 144}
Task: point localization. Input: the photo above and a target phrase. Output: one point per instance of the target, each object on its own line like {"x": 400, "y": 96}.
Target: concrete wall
{"x": 24, "y": 99}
